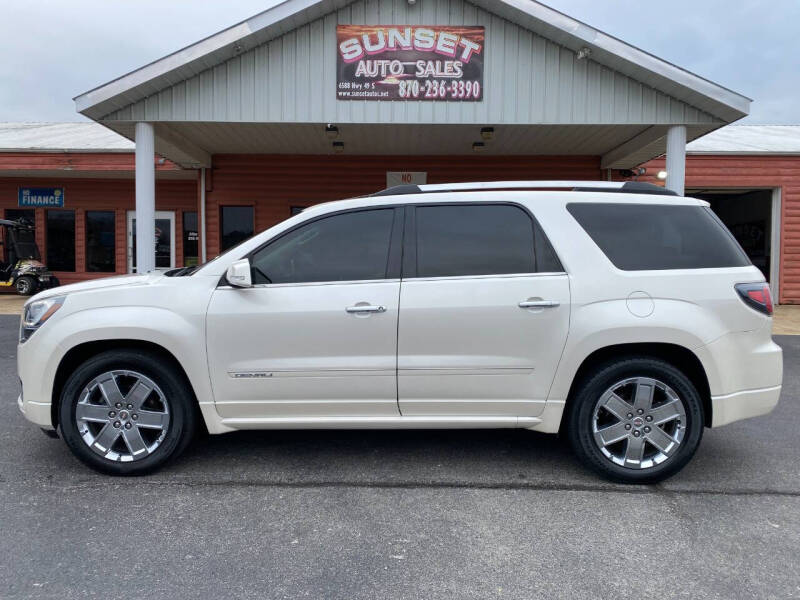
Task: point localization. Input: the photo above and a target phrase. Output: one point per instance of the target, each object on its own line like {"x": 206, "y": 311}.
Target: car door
{"x": 316, "y": 335}
{"x": 484, "y": 312}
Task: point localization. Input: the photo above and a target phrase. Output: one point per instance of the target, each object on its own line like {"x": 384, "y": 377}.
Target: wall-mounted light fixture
{"x": 487, "y": 133}
{"x": 478, "y": 147}
{"x": 584, "y": 53}
{"x": 332, "y": 131}
{"x": 662, "y": 175}
{"x": 338, "y": 147}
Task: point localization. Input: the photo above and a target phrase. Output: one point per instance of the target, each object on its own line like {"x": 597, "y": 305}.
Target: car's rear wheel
{"x": 26, "y": 285}
{"x": 638, "y": 420}
{"x": 126, "y": 412}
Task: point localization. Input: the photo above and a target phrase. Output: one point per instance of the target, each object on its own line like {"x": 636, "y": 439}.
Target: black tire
{"x": 175, "y": 389}
{"x": 26, "y": 285}
{"x": 592, "y": 389}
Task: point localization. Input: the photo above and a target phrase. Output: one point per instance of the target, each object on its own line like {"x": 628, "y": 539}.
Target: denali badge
{"x": 249, "y": 375}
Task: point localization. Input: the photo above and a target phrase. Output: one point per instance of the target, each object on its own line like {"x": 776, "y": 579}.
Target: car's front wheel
{"x": 126, "y": 412}
{"x": 638, "y": 420}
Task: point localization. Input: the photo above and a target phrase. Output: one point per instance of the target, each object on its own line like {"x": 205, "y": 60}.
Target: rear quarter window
{"x": 639, "y": 237}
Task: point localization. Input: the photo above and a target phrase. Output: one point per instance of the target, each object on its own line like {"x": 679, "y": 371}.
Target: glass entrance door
{"x": 165, "y": 240}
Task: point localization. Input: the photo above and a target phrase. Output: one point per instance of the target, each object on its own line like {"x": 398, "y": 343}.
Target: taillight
{"x": 756, "y": 295}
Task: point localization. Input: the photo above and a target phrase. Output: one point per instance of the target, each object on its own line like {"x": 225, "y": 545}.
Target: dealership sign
{"x": 410, "y": 62}
{"x": 45, "y": 197}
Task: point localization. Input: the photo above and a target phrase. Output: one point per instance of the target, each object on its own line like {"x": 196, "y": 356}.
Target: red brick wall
{"x": 274, "y": 183}
{"x": 102, "y": 194}
{"x": 755, "y": 172}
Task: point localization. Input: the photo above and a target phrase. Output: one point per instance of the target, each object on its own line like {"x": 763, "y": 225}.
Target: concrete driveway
{"x": 418, "y": 515}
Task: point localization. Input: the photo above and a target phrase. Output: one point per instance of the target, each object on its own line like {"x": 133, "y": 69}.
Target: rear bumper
{"x": 745, "y": 373}
{"x": 743, "y": 405}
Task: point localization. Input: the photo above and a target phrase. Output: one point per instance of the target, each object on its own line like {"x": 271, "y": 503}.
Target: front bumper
{"x": 36, "y": 412}
{"x": 743, "y": 405}
{"x": 47, "y": 282}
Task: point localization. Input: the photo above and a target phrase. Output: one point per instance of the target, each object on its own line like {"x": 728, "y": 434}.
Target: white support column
{"x": 676, "y": 158}
{"x": 145, "y": 198}
{"x": 203, "y": 215}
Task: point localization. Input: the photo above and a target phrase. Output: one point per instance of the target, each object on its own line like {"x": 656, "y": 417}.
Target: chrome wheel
{"x": 122, "y": 415}
{"x": 639, "y": 423}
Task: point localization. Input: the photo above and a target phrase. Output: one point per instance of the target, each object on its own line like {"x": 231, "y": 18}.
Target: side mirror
{"x": 238, "y": 274}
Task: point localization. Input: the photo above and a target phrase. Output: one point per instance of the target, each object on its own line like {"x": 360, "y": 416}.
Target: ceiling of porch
{"x": 192, "y": 144}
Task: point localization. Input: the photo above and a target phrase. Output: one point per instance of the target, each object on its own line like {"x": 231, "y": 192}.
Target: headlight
{"x": 36, "y": 314}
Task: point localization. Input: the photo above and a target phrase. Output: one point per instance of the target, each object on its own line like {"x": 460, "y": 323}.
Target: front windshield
{"x": 28, "y": 250}
{"x": 24, "y": 243}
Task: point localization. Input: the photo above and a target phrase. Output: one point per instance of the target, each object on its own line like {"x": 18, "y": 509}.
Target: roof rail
{"x": 626, "y": 187}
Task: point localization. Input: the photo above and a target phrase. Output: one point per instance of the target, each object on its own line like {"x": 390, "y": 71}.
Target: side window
{"x": 643, "y": 237}
{"x": 347, "y": 247}
{"x": 464, "y": 240}
{"x": 546, "y": 259}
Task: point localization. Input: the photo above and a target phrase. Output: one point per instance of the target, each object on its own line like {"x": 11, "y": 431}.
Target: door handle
{"x": 539, "y": 304}
{"x": 365, "y": 308}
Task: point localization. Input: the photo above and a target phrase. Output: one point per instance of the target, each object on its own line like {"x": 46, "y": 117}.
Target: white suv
{"x": 621, "y": 316}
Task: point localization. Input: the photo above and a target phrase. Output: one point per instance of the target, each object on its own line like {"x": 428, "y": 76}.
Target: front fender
{"x": 181, "y": 336}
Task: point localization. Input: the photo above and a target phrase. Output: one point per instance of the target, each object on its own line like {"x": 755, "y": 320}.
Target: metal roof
{"x": 749, "y": 139}
{"x": 61, "y": 137}
{"x": 291, "y": 14}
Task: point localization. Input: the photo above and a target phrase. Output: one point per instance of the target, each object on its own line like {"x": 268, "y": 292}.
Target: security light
{"x": 332, "y": 131}
{"x": 478, "y": 147}
{"x": 662, "y": 175}
{"x": 487, "y": 133}
{"x": 338, "y": 147}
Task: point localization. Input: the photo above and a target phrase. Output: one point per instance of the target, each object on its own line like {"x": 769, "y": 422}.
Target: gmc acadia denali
{"x": 617, "y": 314}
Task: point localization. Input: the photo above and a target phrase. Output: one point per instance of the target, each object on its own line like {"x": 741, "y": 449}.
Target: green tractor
{"x": 21, "y": 264}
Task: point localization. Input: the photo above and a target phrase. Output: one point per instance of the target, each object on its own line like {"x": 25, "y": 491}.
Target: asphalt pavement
{"x": 399, "y": 514}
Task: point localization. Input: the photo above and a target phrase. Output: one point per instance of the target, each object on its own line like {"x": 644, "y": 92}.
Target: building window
{"x": 191, "y": 257}
{"x": 61, "y": 240}
{"x": 100, "y": 241}
{"x": 236, "y": 225}
{"x": 15, "y": 214}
